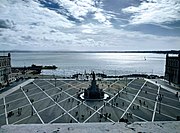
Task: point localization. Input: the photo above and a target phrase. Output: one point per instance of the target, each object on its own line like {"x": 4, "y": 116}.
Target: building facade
{"x": 5, "y": 70}
{"x": 172, "y": 72}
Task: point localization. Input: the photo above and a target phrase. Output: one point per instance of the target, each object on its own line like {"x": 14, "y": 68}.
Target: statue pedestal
{"x": 93, "y": 92}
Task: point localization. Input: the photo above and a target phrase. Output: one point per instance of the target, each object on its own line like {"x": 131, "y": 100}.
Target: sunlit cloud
{"x": 30, "y": 25}
{"x": 154, "y": 11}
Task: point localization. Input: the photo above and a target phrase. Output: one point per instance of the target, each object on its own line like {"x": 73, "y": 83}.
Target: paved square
{"x": 50, "y": 101}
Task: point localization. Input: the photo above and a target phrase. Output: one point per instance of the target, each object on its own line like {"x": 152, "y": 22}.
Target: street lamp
{"x": 159, "y": 99}
{"x": 54, "y": 80}
{"x": 32, "y": 101}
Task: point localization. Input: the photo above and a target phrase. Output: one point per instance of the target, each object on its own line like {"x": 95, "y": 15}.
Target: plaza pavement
{"x": 43, "y": 101}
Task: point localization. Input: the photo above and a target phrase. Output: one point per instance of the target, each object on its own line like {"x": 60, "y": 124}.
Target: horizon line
{"x": 98, "y": 51}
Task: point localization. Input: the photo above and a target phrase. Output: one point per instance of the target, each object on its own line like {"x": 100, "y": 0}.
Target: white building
{"x": 5, "y": 70}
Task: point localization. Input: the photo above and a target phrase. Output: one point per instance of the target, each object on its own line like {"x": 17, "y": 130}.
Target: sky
{"x": 84, "y": 25}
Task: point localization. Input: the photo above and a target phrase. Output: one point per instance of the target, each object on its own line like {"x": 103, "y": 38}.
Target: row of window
{"x": 4, "y": 62}
{"x": 172, "y": 72}
{"x": 5, "y": 71}
{"x": 174, "y": 63}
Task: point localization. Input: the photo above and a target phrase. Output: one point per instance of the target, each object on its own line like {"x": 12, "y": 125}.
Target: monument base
{"x": 81, "y": 96}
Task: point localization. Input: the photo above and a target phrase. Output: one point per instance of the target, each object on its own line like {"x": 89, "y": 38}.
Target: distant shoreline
{"x": 156, "y": 52}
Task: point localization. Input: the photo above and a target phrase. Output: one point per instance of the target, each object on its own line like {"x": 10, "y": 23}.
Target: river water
{"x": 109, "y": 63}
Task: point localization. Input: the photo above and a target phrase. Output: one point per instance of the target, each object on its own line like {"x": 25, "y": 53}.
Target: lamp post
{"x": 159, "y": 99}
{"x": 32, "y": 101}
{"x": 126, "y": 81}
{"x": 54, "y": 80}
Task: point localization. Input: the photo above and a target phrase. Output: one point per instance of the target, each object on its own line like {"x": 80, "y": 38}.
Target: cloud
{"x": 31, "y": 14}
{"x": 102, "y": 18}
{"x": 39, "y": 28}
{"x": 74, "y": 38}
{"x": 6, "y": 23}
{"x": 80, "y": 9}
{"x": 154, "y": 11}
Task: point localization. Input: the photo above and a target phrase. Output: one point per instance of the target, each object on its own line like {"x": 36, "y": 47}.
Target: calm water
{"x": 109, "y": 63}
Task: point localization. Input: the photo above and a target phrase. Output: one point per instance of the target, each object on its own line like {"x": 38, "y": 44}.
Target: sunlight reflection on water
{"x": 109, "y": 63}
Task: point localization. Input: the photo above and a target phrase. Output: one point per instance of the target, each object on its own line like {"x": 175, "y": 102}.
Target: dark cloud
{"x": 6, "y": 23}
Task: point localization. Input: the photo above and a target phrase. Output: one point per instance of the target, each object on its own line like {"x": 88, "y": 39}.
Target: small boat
{"x": 144, "y": 58}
